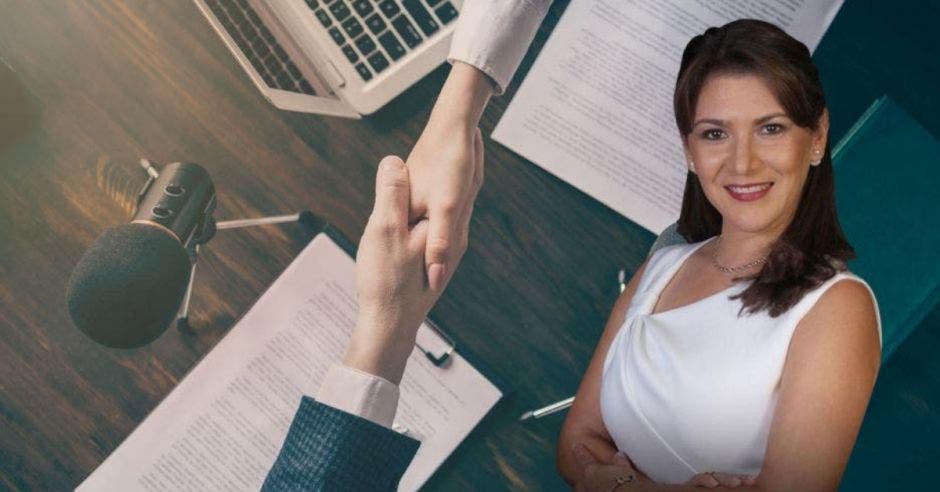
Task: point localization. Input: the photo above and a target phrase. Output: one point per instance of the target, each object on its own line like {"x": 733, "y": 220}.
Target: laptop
{"x": 334, "y": 57}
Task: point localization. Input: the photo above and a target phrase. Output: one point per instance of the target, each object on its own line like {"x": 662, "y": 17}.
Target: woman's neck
{"x": 738, "y": 248}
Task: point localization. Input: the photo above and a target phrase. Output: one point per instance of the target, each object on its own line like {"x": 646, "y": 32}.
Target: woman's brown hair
{"x": 813, "y": 248}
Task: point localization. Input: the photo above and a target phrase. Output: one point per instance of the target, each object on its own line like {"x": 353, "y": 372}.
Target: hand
{"x": 714, "y": 479}
{"x": 446, "y": 168}
{"x": 619, "y": 474}
{"x": 446, "y": 173}
{"x": 393, "y": 295}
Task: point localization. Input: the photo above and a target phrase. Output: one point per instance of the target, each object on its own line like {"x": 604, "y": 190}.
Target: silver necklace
{"x": 730, "y": 270}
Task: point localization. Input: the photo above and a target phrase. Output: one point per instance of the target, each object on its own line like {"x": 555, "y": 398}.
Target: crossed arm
{"x": 827, "y": 380}
{"x": 584, "y": 425}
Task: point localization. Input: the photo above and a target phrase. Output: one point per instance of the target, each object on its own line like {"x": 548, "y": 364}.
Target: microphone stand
{"x": 182, "y": 318}
{"x": 206, "y": 231}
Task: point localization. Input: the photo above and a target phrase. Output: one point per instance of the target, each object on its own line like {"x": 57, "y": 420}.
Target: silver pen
{"x": 567, "y": 402}
{"x": 550, "y": 409}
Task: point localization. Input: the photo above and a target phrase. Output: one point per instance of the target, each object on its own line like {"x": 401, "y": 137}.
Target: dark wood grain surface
{"x": 89, "y": 87}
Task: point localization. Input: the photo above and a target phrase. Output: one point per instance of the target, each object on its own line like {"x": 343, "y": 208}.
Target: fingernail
{"x": 436, "y": 276}
{"x": 712, "y": 481}
{"x": 390, "y": 164}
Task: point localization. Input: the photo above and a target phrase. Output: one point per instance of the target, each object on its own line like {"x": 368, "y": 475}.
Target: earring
{"x": 818, "y": 158}
{"x": 692, "y": 167}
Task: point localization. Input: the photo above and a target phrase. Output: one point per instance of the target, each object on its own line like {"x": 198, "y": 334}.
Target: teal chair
{"x": 668, "y": 237}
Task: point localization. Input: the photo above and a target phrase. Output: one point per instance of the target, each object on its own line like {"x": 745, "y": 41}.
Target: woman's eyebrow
{"x": 764, "y": 119}
{"x": 709, "y": 120}
{"x": 722, "y": 123}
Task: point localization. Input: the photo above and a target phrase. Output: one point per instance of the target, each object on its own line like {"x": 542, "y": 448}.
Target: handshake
{"x": 417, "y": 232}
{"x": 414, "y": 240}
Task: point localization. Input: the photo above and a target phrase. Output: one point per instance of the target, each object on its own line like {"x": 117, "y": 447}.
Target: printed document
{"x": 221, "y": 428}
{"x": 596, "y": 107}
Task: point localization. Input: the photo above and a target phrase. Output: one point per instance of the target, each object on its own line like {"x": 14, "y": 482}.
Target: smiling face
{"x": 750, "y": 157}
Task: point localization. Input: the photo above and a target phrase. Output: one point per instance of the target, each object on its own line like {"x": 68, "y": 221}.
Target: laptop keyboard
{"x": 260, "y": 47}
{"x": 373, "y": 34}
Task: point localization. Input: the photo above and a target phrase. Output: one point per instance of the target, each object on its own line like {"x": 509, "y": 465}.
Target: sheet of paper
{"x": 223, "y": 425}
{"x": 596, "y": 107}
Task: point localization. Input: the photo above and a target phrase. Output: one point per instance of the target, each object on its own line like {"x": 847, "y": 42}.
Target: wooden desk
{"x": 99, "y": 84}
{"x": 107, "y": 82}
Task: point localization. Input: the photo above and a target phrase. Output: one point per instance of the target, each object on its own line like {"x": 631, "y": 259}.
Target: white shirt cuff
{"x": 359, "y": 393}
{"x": 494, "y": 35}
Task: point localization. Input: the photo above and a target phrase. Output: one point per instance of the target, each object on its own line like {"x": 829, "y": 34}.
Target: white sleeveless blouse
{"x": 693, "y": 389}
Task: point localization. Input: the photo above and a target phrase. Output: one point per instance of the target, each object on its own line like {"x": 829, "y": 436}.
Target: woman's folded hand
{"x": 714, "y": 479}
{"x": 600, "y": 476}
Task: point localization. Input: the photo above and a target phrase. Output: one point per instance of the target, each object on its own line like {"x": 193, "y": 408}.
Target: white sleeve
{"x": 359, "y": 393}
{"x": 493, "y": 35}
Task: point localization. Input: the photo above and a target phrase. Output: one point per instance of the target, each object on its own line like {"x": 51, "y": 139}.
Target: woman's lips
{"x": 749, "y": 192}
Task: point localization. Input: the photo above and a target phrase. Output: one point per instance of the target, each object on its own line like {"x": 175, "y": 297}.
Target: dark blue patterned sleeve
{"x": 328, "y": 449}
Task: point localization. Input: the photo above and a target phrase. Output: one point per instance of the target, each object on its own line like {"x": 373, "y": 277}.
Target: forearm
{"x": 328, "y": 449}
{"x": 568, "y": 466}
{"x": 462, "y": 99}
{"x": 379, "y": 348}
{"x": 649, "y": 486}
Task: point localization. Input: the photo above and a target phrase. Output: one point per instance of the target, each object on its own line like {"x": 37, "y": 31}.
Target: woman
{"x": 750, "y": 351}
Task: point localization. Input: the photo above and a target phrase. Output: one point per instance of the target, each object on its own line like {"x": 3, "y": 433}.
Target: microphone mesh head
{"x": 129, "y": 285}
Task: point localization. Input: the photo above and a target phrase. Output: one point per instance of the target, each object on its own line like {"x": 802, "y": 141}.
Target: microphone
{"x": 129, "y": 286}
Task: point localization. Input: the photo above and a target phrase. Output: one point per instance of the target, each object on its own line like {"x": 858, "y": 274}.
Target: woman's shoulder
{"x": 844, "y": 296}
{"x": 846, "y": 288}
{"x": 843, "y": 286}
